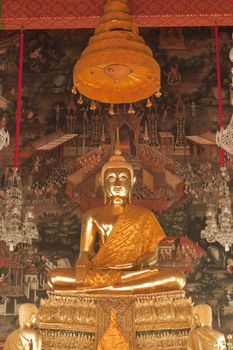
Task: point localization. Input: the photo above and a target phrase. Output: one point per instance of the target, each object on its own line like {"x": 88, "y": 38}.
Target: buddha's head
{"x": 27, "y": 315}
{"x": 203, "y": 314}
{"x": 117, "y": 176}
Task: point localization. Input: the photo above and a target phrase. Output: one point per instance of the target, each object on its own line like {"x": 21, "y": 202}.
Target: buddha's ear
{"x": 100, "y": 178}
{"x": 134, "y": 180}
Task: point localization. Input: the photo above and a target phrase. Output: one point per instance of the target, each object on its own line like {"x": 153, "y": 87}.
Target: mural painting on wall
{"x": 63, "y": 145}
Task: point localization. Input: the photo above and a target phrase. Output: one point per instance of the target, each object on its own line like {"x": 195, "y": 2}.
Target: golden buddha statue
{"x": 25, "y": 338}
{"x": 129, "y": 236}
{"x": 204, "y": 337}
{"x": 113, "y": 338}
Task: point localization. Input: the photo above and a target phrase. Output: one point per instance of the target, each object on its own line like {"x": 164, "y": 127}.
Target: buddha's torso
{"x": 13, "y": 341}
{"x": 104, "y": 219}
{"x": 20, "y": 340}
{"x": 129, "y": 236}
{"x": 205, "y": 338}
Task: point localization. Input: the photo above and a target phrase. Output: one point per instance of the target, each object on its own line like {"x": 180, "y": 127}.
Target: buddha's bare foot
{"x": 144, "y": 281}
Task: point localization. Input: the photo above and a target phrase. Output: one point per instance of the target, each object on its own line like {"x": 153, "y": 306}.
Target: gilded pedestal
{"x": 152, "y": 321}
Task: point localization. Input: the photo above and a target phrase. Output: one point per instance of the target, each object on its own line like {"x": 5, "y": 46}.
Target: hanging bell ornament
{"x": 158, "y": 94}
{"x": 93, "y": 105}
{"x": 149, "y": 103}
{"x": 111, "y": 110}
{"x": 80, "y": 100}
{"x": 74, "y": 91}
{"x": 131, "y": 110}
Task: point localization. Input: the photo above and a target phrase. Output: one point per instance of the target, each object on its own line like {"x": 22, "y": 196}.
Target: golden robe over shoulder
{"x": 205, "y": 338}
{"x": 13, "y": 341}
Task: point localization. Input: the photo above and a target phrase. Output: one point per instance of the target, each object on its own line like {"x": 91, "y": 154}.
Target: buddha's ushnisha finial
{"x": 117, "y": 149}
{"x": 117, "y": 160}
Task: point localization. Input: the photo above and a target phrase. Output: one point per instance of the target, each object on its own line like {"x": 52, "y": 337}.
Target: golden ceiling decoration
{"x": 117, "y": 66}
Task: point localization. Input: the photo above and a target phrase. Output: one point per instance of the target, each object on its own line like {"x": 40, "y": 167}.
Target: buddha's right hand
{"x": 81, "y": 268}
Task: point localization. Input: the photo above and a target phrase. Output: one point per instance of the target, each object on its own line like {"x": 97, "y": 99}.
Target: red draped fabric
{"x": 51, "y": 14}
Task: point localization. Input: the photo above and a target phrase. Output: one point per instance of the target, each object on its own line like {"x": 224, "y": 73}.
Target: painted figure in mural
{"x": 164, "y": 110}
{"x": 180, "y": 106}
{"x": 193, "y": 106}
{"x": 58, "y": 110}
{"x": 215, "y": 122}
{"x": 26, "y": 337}
{"x": 129, "y": 237}
{"x": 4, "y": 134}
{"x": 204, "y": 337}
{"x": 174, "y": 77}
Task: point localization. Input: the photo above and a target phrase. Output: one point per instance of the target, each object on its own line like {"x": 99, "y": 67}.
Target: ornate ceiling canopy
{"x": 53, "y": 14}
{"x": 117, "y": 66}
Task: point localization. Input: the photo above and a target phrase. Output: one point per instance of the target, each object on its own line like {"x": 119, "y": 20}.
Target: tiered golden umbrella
{"x": 117, "y": 66}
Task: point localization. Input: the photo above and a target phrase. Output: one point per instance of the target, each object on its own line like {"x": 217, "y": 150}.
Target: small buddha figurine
{"x": 129, "y": 236}
{"x": 204, "y": 337}
{"x": 113, "y": 338}
{"x": 26, "y": 337}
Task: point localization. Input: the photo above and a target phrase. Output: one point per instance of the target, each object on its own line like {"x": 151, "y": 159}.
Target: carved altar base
{"x": 148, "y": 322}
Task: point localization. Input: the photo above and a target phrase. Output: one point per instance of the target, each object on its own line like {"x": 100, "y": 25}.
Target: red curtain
{"x": 51, "y": 14}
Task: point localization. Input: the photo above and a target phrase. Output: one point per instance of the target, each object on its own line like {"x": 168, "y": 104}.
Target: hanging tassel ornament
{"x": 74, "y": 91}
{"x": 80, "y": 100}
{"x": 158, "y": 94}
{"x": 131, "y": 110}
{"x": 111, "y": 110}
{"x": 93, "y": 105}
{"x": 149, "y": 103}
{"x": 15, "y": 229}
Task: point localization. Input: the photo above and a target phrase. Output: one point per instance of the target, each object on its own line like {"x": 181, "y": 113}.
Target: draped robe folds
{"x": 203, "y": 338}
{"x": 17, "y": 341}
{"x": 136, "y": 233}
{"x": 13, "y": 341}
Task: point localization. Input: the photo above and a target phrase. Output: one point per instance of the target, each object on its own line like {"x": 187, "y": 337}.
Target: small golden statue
{"x": 25, "y": 338}
{"x": 129, "y": 236}
{"x": 204, "y": 337}
{"x": 113, "y": 338}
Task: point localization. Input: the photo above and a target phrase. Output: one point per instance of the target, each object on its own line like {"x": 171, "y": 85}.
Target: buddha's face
{"x": 203, "y": 312}
{"x": 117, "y": 183}
{"x": 27, "y": 315}
{"x": 33, "y": 319}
